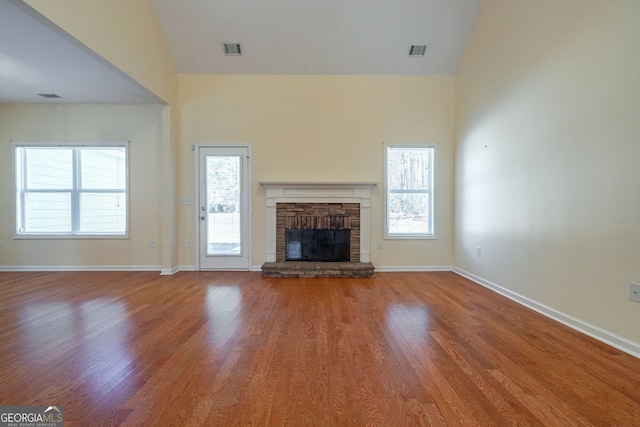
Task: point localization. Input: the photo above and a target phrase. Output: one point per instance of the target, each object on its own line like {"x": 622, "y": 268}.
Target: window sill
{"x": 70, "y": 237}
{"x": 410, "y": 237}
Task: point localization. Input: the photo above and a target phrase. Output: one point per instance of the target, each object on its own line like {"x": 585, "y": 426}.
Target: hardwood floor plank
{"x": 233, "y": 348}
{"x": 542, "y": 356}
{"x": 345, "y": 407}
{"x": 512, "y": 409}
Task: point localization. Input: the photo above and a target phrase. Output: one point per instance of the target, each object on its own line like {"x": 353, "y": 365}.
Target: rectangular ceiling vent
{"x": 49, "y": 95}
{"x": 232, "y": 49}
{"x": 418, "y": 50}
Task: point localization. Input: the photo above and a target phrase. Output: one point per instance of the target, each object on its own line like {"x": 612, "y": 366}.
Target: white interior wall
{"x": 548, "y": 102}
{"x": 140, "y": 124}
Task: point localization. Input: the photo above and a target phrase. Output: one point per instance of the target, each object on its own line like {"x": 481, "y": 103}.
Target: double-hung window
{"x": 71, "y": 190}
{"x": 409, "y": 194}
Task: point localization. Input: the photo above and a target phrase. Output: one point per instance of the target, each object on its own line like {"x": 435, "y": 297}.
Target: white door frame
{"x": 198, "y": 202}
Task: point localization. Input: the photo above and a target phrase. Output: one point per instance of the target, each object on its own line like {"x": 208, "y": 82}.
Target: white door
{"x": 223, "y": 207}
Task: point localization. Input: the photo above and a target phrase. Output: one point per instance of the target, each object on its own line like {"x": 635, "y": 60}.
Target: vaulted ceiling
{"x": 332, "y": 37}
{"x": 36, "y": 57}
{"x": 317, "y": 37}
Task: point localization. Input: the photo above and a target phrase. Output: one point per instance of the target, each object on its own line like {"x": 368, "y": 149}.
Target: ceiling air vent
{"x": 232, "y": 49}
{"x": 49, "y": 95}
{"x": 418, "y": 50}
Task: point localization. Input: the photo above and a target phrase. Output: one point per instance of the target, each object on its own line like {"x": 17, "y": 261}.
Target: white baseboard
{"x": 169, "y": 271}
{"x": 174, "y": 270}
{"x": 410, "y": 268}
{"x": 593, "y": 331}
{"x": 34, "y": 268}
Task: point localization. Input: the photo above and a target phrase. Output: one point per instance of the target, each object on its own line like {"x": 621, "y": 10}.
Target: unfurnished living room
{"x": 304, "y": 213}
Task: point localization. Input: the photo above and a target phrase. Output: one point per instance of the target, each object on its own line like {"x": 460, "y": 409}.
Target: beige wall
{"x": 548, "y": 118}
{"x": 323, "y": 128}
{"x": 139, "y": 124}
{"x": 128, "y": 35}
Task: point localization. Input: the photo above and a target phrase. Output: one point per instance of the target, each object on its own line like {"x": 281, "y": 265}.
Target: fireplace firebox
{"x": 318, "y": 245}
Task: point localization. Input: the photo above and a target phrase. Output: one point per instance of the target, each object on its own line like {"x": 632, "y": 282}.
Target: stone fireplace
{"x": 318, "y": 216}
{"x": 318, "y": 206}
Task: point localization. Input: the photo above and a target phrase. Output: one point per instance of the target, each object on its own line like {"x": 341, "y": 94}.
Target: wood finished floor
{"x": 234, "y": 349}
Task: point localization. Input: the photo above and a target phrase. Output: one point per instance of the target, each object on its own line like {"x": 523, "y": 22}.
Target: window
{"x": 71, "y": 190}
{"x": 409, "y": 191}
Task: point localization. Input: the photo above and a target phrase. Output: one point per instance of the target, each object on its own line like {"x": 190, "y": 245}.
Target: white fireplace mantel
{"x": 318, "y": 185}
{"x": 320, "y": 192}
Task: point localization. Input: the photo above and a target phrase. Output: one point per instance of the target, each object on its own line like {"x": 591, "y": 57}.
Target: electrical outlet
{"x": 634, "y": 292}
{"x": 478, "y": 251}
{"x": 160, "y": 200}
{"x": 152, "y": 243}
{"x": 188, "y": 244}
{"x": 379, "y": 244}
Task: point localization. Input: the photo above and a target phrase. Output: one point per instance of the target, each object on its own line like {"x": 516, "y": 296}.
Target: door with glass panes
{"x": 223, "y": 207}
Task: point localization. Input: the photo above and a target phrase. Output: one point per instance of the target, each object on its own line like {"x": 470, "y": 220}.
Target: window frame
{"x": 431, "y": 234}
{"x": 75, "y": 192}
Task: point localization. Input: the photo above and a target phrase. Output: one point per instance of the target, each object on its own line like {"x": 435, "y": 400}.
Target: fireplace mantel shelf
{"x": 317, "y": 185}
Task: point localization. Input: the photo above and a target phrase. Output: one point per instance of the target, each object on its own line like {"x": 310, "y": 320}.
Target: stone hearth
{"x": 317, "y": 269}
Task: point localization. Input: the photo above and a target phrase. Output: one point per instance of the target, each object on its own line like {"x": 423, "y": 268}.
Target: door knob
{"x": 203, "y": 217}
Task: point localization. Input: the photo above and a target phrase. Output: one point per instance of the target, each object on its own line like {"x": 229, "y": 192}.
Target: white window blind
{"x": 71, "y": 190}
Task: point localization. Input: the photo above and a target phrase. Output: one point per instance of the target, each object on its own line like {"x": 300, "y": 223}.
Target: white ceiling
{"x": 317, "y": 36}
{"x": 334, "y": 37}
{"x": 37, "y": 57}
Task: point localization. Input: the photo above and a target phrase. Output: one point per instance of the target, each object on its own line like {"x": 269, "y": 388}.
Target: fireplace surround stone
{"x": 317, "y": 216}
